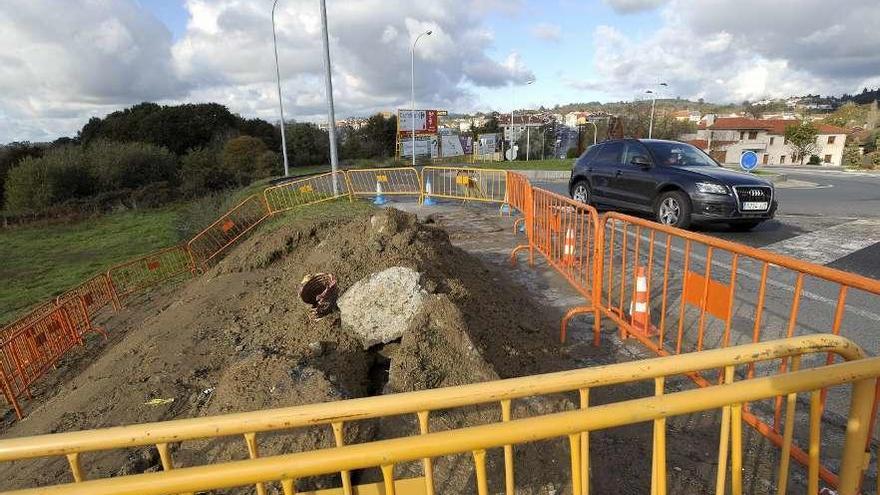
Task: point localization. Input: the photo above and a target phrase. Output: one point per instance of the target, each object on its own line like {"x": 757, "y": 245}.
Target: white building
{"x": 727, "y": 138}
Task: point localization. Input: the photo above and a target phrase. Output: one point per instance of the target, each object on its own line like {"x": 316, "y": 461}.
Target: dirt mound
{"x": 238, "y": 339}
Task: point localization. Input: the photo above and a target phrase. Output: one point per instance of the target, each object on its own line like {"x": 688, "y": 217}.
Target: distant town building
{"x": 520, "y": 123}
{"x": 727, "y": 138}
{"x": 687, "y": 116}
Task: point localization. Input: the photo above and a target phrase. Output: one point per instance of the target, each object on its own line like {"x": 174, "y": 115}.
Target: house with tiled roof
{"x": 726, "y": 138}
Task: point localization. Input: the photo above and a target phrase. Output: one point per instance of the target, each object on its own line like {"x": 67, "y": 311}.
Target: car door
{"x": 634, "y": 185}
{"x": 601, "y": 170}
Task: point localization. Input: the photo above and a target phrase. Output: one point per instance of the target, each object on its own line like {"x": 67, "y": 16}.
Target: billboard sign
{"x": 487, "y": 143}
{"x": 453, "y": 145}
{"x": 425, "y": 146}
{"x": 425, "y": 121}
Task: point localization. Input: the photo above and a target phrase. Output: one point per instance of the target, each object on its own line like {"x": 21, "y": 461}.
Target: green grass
{"x": 42, "y": 261}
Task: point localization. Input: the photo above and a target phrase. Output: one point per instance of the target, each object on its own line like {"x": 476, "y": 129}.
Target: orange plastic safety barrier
{"x": 138, "y": 274}
{"x": 229, "y": 228}
{"x": 311, "y": 190}
{"x": 28, "y": 352}
{"x": 706, "y": 293}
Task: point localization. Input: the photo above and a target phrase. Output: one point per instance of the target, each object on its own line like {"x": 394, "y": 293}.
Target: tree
{"x": 38, "y": 183}
{"x": 851, "y": 156}
{"x": 307, "y": 145}
{"x": 11, "y": 155}
{"x": 246, "y": 159}
{"x": 801, "y": 140}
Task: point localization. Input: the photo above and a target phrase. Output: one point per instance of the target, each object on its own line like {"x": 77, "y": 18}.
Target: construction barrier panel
{"x": 26, "y": 319}
{"x": 469, "y": 184}
{"x": 384, "y": 181}
{"x": 28, "y": 352}
{"x": 702, "y": 292}
{"x": 136, "y": 275}
{"x": 307, "y": 191}
{"x": 575, "y": 426}
{"x": 226, "y": 230}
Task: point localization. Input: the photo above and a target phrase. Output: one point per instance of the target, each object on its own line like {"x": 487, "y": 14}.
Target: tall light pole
{"x": 412, "y": 73}
{"x": 528, "y": 137}
{"x": 595, "y": 130}
{"x": 653, "y": 102}
{"x": 331, "y": 115}
{"x": 543, "y": 137}
{"x": 513, "y": 141}
{"x": 280, "y": 103}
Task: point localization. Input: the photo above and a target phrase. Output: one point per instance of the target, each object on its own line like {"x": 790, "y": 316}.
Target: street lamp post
{"x": 528, "y": 137}
{"x": 653, "y": 102}
{"x": 513, "y": 141}
{"x": 331, "y": 114}
{"x": 280, "y": 103}
{"x": 595, "y": 130}
{"x": 412, "y": 111}
{"x": 543, "y": 137}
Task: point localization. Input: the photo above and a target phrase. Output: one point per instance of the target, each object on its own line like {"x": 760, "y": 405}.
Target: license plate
{"x": 755, "y": 205}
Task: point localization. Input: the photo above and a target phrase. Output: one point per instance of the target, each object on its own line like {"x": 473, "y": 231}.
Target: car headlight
{"x": 711, "y": 188}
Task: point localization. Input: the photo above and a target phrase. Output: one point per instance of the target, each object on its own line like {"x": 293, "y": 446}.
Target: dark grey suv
{"x": 675, "y": 182}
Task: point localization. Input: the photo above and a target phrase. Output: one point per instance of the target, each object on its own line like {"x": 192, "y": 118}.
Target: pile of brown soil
{"x": 238, "y": 339}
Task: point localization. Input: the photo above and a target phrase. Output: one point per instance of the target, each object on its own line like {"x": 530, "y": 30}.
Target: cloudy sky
{"x": 63, "y": 61}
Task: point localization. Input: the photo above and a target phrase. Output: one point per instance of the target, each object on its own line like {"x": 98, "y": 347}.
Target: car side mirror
{"x": 641, "y": 161}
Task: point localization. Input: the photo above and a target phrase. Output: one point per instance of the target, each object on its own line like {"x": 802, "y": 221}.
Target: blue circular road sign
{"x": 748, "y": 160}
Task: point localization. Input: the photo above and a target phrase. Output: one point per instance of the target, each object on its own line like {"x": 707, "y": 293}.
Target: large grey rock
{"x": 379, "y": 308}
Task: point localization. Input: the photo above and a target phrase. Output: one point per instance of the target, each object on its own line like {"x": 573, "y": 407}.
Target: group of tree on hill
{"x": 150, "y": 154}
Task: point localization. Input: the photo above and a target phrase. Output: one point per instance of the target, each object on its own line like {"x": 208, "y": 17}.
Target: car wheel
{"x": 744, "y": 226}
{"x": 581, "y": 192}
{"x": 673, "y": 209}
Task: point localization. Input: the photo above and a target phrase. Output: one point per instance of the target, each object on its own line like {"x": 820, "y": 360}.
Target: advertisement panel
{"x": 425, "y": 121}
{"x": 487, "y": 143}
{"x": 451, "y": 146}
{"x": 425, "y": 146}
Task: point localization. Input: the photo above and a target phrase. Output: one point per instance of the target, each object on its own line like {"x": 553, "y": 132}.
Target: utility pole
{"x": 280, "y": 103}
{"x": 331, "y": 115}
{"x": 412, "y": 74}
{"x": 653, "y": 102}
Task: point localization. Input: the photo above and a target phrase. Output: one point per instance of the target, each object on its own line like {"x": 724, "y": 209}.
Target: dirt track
{"x": 238, "y": 339}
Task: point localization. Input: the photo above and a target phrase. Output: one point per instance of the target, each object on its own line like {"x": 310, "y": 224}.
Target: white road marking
{"x": 828, "y": 245}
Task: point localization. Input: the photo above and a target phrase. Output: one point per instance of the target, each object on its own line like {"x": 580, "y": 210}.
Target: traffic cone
{"x": 380, "y": 199}
{"x": 428, "y": 201}
{"x": 568, "y": 248}
{"x": 639, "y": 310}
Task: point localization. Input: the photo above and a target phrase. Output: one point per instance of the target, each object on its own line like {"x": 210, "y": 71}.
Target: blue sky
{"x": 106, "y": 55}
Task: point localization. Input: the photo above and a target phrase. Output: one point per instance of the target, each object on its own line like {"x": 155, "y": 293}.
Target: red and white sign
{"x": 425, "y": 121}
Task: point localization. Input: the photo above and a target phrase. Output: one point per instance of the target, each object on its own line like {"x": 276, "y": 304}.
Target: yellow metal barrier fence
{"x": 307, "y": 191}
{"x": 403, "y": 181}
{"x": 576, "y": 425}
{"x": 469, "y": 184}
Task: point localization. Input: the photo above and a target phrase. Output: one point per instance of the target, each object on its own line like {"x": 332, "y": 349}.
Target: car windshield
{"x": 679, "y": 155}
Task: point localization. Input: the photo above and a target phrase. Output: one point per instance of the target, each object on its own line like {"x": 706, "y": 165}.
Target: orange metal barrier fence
{"x": 678, "y": 291}
{"x": 138, "y": 274}
{"x": 227, "y": 229}
{"x": 404, "y": 181}
{"x": 303, "y": 192}
{"x": 31, "y": 349}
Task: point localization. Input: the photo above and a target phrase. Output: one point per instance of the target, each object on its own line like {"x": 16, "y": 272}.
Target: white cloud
{"x": 108, "y": 54}
{"x": 59, "y": 65}
{"x": 721, "y": 51}
{"x": 547, "y": 32}
{"x": 631, "y": 6}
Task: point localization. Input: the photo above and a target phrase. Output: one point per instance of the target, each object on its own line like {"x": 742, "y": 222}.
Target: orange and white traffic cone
{"x": 638, "y": 309}
{"x": 568, "y": 248}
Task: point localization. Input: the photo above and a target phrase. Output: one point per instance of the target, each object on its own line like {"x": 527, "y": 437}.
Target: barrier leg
{"x": 516, "y": 250}
{"x": 579, "y": 310}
